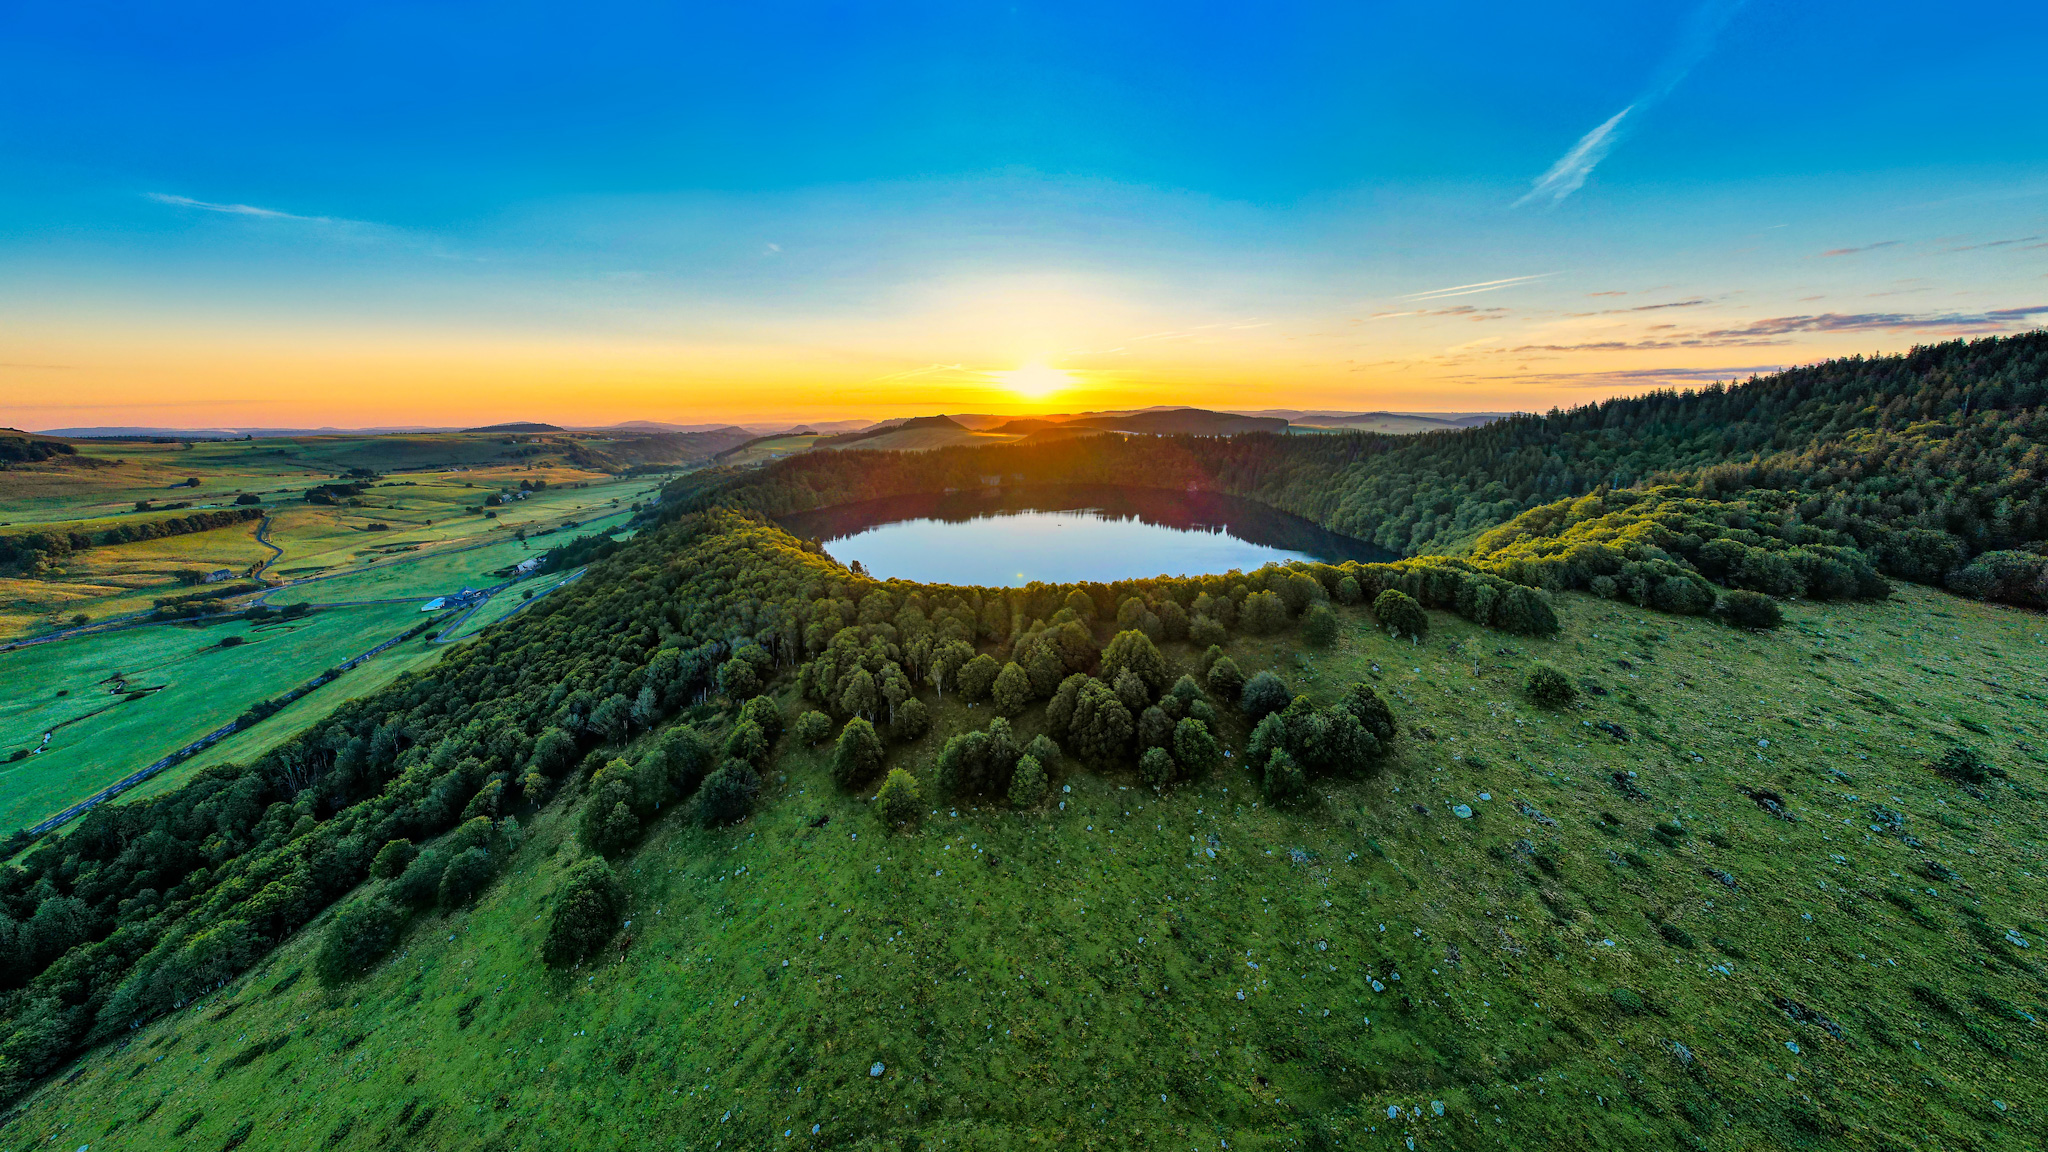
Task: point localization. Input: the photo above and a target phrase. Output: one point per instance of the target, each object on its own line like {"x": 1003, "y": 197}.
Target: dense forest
{"x": 1814, "y": 482}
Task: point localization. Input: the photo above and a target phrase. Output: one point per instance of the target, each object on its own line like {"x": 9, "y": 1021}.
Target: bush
{"x": 465, "y": 876}
{"x": 1156, "y": 767}
{"x": 728, "y": 794}
{"x": 1319, "y": 625}
{"x": 858, "y": 755}
{"x": 1225, "y": 681}
{"x": 1262, "y": 614}
{"x": 1027, "y": 780}
{"x": 1372, "y": 711}
{"x": 1749, "y": 610}
{"x": 585, "y": 913}
{"x": 812, "y": 727}
{"x": 912, "y": 721}
{"x": 1348, "y": 591}
{"x": 763, "y": 713}
{"x": 1399, "y": 614}
{"x": 1043, "y": 750}
{"x": 1011, "y": 691}
{"x": 1963, "y": 765}
{"x": 1262, "y": 695}
{"x": 1549, "y": 687}
{"x": 899, "y": 802}
{"x": 357, "y": 936}
{"x": 1205, "y": 631}
{"x": 392, "y": 859}
{"x": 978, "y": 677}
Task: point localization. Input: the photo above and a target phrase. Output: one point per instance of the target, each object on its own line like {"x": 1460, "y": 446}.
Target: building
{"x": 218, "y": 575}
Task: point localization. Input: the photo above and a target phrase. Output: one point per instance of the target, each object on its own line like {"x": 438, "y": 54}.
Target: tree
{"x": 860, "y": 697}
{"x": 1134, "y": 652}
{"x": 1400, "y": 615}
{"x": 912, "y": 721}
{"x": 747, "y": 742}
{"x": 421, "y": 880}
{"x": 1225, "y": 680}
{"x": 1319, "y": 625}
{"x": 1285, "y": 782}
{"x": 1750, "y": 609}
{"x": 1195, "y": 749}
{"x": 1205, "y": 631}
{"x": 584, "y": 913}
{"x": 978, "y": 677}
{"x": 467, "y": 875}
{"x": 1012, "y": 690}
{"x": 357, "y": 936}
{"x": 1348, "y": 591}
{"x": 1263, "y": 694}
{"x": 1043, "y": 750}
{"x": 1371, "y": 709}
{"x": 761, "y": 710}
{"x": 392, "y": 859}
{"x": 738, "y": 679}
{"x": 728, "y": 793}
{"x": 1156, "y": 767}
{"x": 1548, "y": 686}
{"x": 1262, "y": 614}
{"x": 899, "y": 803}
{"x": 1102, "y": 726}
{"x": 1132, "y": 690}
{"x": 1155, "y": 728}
{"x": 858, "y": 754}
{"x": 1027, "y": 781}
{"x": 812, "y": 727}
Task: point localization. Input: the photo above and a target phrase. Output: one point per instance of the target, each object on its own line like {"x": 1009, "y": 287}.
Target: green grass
{"x": 193, "y": 686}
{"x": 434, "y": 573}
{"x": 505, "y": 603}
{"x": 1573, "y": 973}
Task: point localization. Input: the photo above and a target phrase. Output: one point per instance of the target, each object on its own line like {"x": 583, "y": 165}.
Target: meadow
{"x": 116, "y": 701}
{"x": 1578, "y": 927}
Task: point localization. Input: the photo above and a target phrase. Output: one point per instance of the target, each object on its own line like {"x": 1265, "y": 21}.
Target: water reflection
{"x": 1067, "y": 533}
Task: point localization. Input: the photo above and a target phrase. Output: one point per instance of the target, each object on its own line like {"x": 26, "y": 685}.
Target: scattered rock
{"x": 1615, "y": 730}
{"x": 1624, "y": 783}
{"x": 1529, "y": 810}
{"x": 1886, "y": 820}
{"x": 876, "y": 1068}
{"x": 1771, "y": 802}
{"x": 1801, "y": 1014}
{"x": 1680, "y": 1052}
{"x": 1721, "y": 877}
{"x": 1462, "y": 811}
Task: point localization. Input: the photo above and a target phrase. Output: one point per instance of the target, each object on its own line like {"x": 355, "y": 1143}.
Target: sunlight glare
{"x": 1036, "y": 380}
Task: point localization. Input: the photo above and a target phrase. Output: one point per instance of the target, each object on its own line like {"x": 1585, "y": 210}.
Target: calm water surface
{"x": 1067, "y": 534}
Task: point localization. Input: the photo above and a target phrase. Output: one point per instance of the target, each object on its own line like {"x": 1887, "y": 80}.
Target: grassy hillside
{"x": 1621, "y": 945}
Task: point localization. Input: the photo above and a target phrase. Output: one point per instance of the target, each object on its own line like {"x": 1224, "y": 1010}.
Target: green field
{"x": 506, "y": 603}
{"x": 440, "y": 572}
{"x": 1618, "y": 947}
{"x": 193, "y": 686}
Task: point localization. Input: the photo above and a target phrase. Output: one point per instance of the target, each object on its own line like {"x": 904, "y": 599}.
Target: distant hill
{"x": 917, "y": 435}
{"x": 1184, "y": 422}
{"x": 131, "y": 432}
{"x": 518, "y": 426}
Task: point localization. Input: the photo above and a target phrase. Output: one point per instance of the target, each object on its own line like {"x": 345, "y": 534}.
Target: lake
{"x": 1067, "y": 534}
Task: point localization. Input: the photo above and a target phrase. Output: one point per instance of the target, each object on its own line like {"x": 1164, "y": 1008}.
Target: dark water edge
{"x": 1183, "y": 512}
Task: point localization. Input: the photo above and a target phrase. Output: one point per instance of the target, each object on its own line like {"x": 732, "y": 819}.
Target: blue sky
{"x": 237, "y": 214}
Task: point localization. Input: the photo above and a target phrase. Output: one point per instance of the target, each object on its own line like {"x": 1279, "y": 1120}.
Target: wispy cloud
{"x": 1864, "y": 248}
{"x": 1997, "y": 244}
{"x": 1774, "y": 330}
{"x": 1569, "y": 174}
{"x": 1693, "y": 303}
{"x": 1636, "y": 377}
{"x": 233, "y": 209}
{"x": 1472, "y": 289}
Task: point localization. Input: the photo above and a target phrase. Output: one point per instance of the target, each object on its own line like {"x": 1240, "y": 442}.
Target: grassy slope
{"x": 108, "y": 736}
{"x": 1093, "y": 974}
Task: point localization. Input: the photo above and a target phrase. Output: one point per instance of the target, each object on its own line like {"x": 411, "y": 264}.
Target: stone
{"x": 876, "y": 1069}
{"x": 1462, "y": 811}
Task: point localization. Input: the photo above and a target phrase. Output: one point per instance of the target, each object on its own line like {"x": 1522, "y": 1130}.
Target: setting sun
{"x": 1036, "y": 380}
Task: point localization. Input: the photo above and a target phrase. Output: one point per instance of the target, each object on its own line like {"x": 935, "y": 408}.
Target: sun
{"x": 1035, "y": 380}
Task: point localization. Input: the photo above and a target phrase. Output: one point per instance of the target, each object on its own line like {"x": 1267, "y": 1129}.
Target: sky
{"x": 234, "y": 215}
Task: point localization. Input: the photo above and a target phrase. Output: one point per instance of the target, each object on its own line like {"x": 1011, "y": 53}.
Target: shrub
{"x": 1962, "y": 764}
{"x": 1224, "y": 679}
{"x": 392, "y": 859}
{"x": 1348, "y": 591}
{"x": 978, "y": 677}
{"x": 1043, "y": 750}
{"x": 912, "y": 721}
{"x": 899, "y": 802}
{"x": 728, "y": 794}
{"x": 1744, "y": 609}
{"x": 1319, "y": 625}
{"x": 1262, "y": 614}
{"x": 1012, "y": 690}
{"x": 357, "y": 936}
{"x": 858, "y": 754}
{"x": 812, "y": 727}
{"x": 1027, "y": 780}
{"x": 1156, "y": 767}
{"x": 1548, "y": 686}
{"x": 1399, "y": 614}
{"x": 763, "y": 713}
{"x": 1262, "y": 695}
{"x": 585, "y": 913}
{"x": 1205, "y": 631}
{"x": 1372, "y": 711}
{"x": 467, "y": 875}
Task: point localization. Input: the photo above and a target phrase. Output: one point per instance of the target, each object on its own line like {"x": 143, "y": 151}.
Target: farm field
{"x": 1571, "y": 927}
{"x": 767, "y": 450}
{"x": 79, "y": 689}
{"x": 442, "y": 571}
